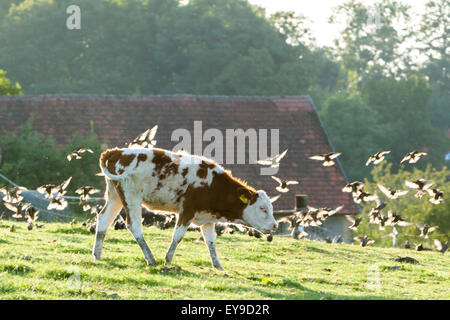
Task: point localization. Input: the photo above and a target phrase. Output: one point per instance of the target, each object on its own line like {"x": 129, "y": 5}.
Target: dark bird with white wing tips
{"x": 426, "y": 229}
{"x": 327, "y": 158}
{"x": 413, "y": 156}
{"x": 364, "y": 241}
{"x": 353, "y": 187}
{"x": 283, "y": 184}
{"x": 419, "y": 184}
{"x": 437, "y": 196}
{"x": 145, "y": 139}
{"x": 391, "y": 193}
{"x": 77, "y": 154}
{"x": 377, "y": 157}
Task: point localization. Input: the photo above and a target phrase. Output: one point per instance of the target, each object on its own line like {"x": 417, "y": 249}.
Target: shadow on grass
{"x": 70, "y": 230}
{"x": 303, "y": 293}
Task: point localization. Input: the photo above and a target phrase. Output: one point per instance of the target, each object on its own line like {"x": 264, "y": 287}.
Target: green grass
{"x": 55, "y": 263}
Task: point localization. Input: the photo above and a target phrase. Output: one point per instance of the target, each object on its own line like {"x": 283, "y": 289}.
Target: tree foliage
{"x": 32, "y": 160}
{"x": 417, "y": 211}
{"x": 6, "y": 87}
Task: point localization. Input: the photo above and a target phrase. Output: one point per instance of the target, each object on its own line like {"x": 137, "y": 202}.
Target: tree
{"x": 6, "y": 87}
{"x": 32, "y": 160}
{"x": 353, "y": 128}
{"x": 433, "y": 41}
{"x": 201, "y": 47}
{"x": 371, "y": 43}
{"x": 404, "y": 118}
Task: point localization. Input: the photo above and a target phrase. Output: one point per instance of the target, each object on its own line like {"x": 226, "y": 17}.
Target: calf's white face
{"x": 260, "y": 214}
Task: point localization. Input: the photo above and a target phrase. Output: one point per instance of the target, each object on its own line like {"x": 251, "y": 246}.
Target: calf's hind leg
{"x": 134, "y": 224}
{"x": 105, "y": 219}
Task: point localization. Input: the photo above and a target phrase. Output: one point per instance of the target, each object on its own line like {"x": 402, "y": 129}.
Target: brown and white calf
{"x": 199, "y": 190}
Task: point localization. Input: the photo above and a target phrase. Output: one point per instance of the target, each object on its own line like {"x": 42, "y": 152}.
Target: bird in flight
{"x": 437, "y": 196}
{"x": 413, "y": 156}
{"x": 19, "y": 208}
{"x": 49, "y": 190}
{"x": 77, "y": 154}
{"x": 364, "y": 241}
{"x": 86, "y": 191}
{"x": 419, "y": 184}
{"x": 326, "y": 158}
{"x": 441, "y": 247}
{"x": 426, "y": 229}
{"x": 391, "y": 193}
{"x": 355, "y": 224}
{"x": 364, "y": 197}
{"x": 145, "y": 139}
{"x": 353, "y": 187}
{"x": 58, "y": 203}
{"x": 377, "y": 157}
{"x": 273, "y": 162}
{"x": 396, "y": 219}
{"x": 283, "y": 184}
{"x": 12, "y": 195}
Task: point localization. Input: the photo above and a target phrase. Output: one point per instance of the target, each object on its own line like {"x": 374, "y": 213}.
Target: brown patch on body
{"x": 164, "y": 165}
{"x": 203, "y": 167}
{"x": 142, "y": 157}
{"x": 126, "y": 159}
{"x": 221, "y": 198}
{"x": 110, "y": 157}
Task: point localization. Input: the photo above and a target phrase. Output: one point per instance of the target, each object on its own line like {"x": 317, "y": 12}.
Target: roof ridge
{"x": 161, "y": 96}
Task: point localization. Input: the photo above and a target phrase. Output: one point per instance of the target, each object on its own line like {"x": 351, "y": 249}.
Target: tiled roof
{"x": 119, "y": 119}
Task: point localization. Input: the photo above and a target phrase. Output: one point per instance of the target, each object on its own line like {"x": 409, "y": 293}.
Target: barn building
{"x": 208, "y": 125}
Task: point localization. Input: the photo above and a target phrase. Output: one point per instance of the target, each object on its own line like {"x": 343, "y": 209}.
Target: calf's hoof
{"x": 96, "y": 257}
{"x": 151, "y": 262}
{"x": 218, "y": 266}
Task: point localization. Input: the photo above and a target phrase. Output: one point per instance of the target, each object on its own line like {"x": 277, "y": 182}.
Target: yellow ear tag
{"x": 243, "y": 199}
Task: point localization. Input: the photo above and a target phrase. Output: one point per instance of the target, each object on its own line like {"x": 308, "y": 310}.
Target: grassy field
{"x": 55, "y": 263}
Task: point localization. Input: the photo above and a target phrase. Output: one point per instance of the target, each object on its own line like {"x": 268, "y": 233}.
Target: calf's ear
{"x": 246, "y": 196}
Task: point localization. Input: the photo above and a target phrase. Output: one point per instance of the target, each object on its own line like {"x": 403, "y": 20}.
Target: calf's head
{"x": 258, "y": 212}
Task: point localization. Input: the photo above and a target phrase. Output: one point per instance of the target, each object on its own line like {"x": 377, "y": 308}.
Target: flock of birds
{"x": 14, "y": 200}
{"x": 316, "y": 216}
{"x": 298, "y": 221}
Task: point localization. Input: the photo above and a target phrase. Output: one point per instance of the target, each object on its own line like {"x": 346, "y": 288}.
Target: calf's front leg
{"x": 178, "y": 234}
{"x": 209, "y": 235}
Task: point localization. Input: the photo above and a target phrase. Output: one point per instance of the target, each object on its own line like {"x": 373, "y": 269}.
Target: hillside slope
{"x": 55, "y": 263}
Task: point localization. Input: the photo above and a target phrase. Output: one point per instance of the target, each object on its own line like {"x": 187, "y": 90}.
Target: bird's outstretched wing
{"x": 438, "y": 244}
{"x": 64, "y": 185}
{"x": 335, "y": 155}
{"x": 277, "y": 179}
{"x": 369, "y": 160}
{"x": 275, "y": 198}
{"x": 280, "y": 156}
{"x": 385, "y": 190}
{"x": 411, "y": 185}
{"x": 318, "y": 157}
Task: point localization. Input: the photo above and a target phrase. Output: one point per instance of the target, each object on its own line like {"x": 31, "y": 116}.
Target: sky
{"x": 318, "y": 11}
